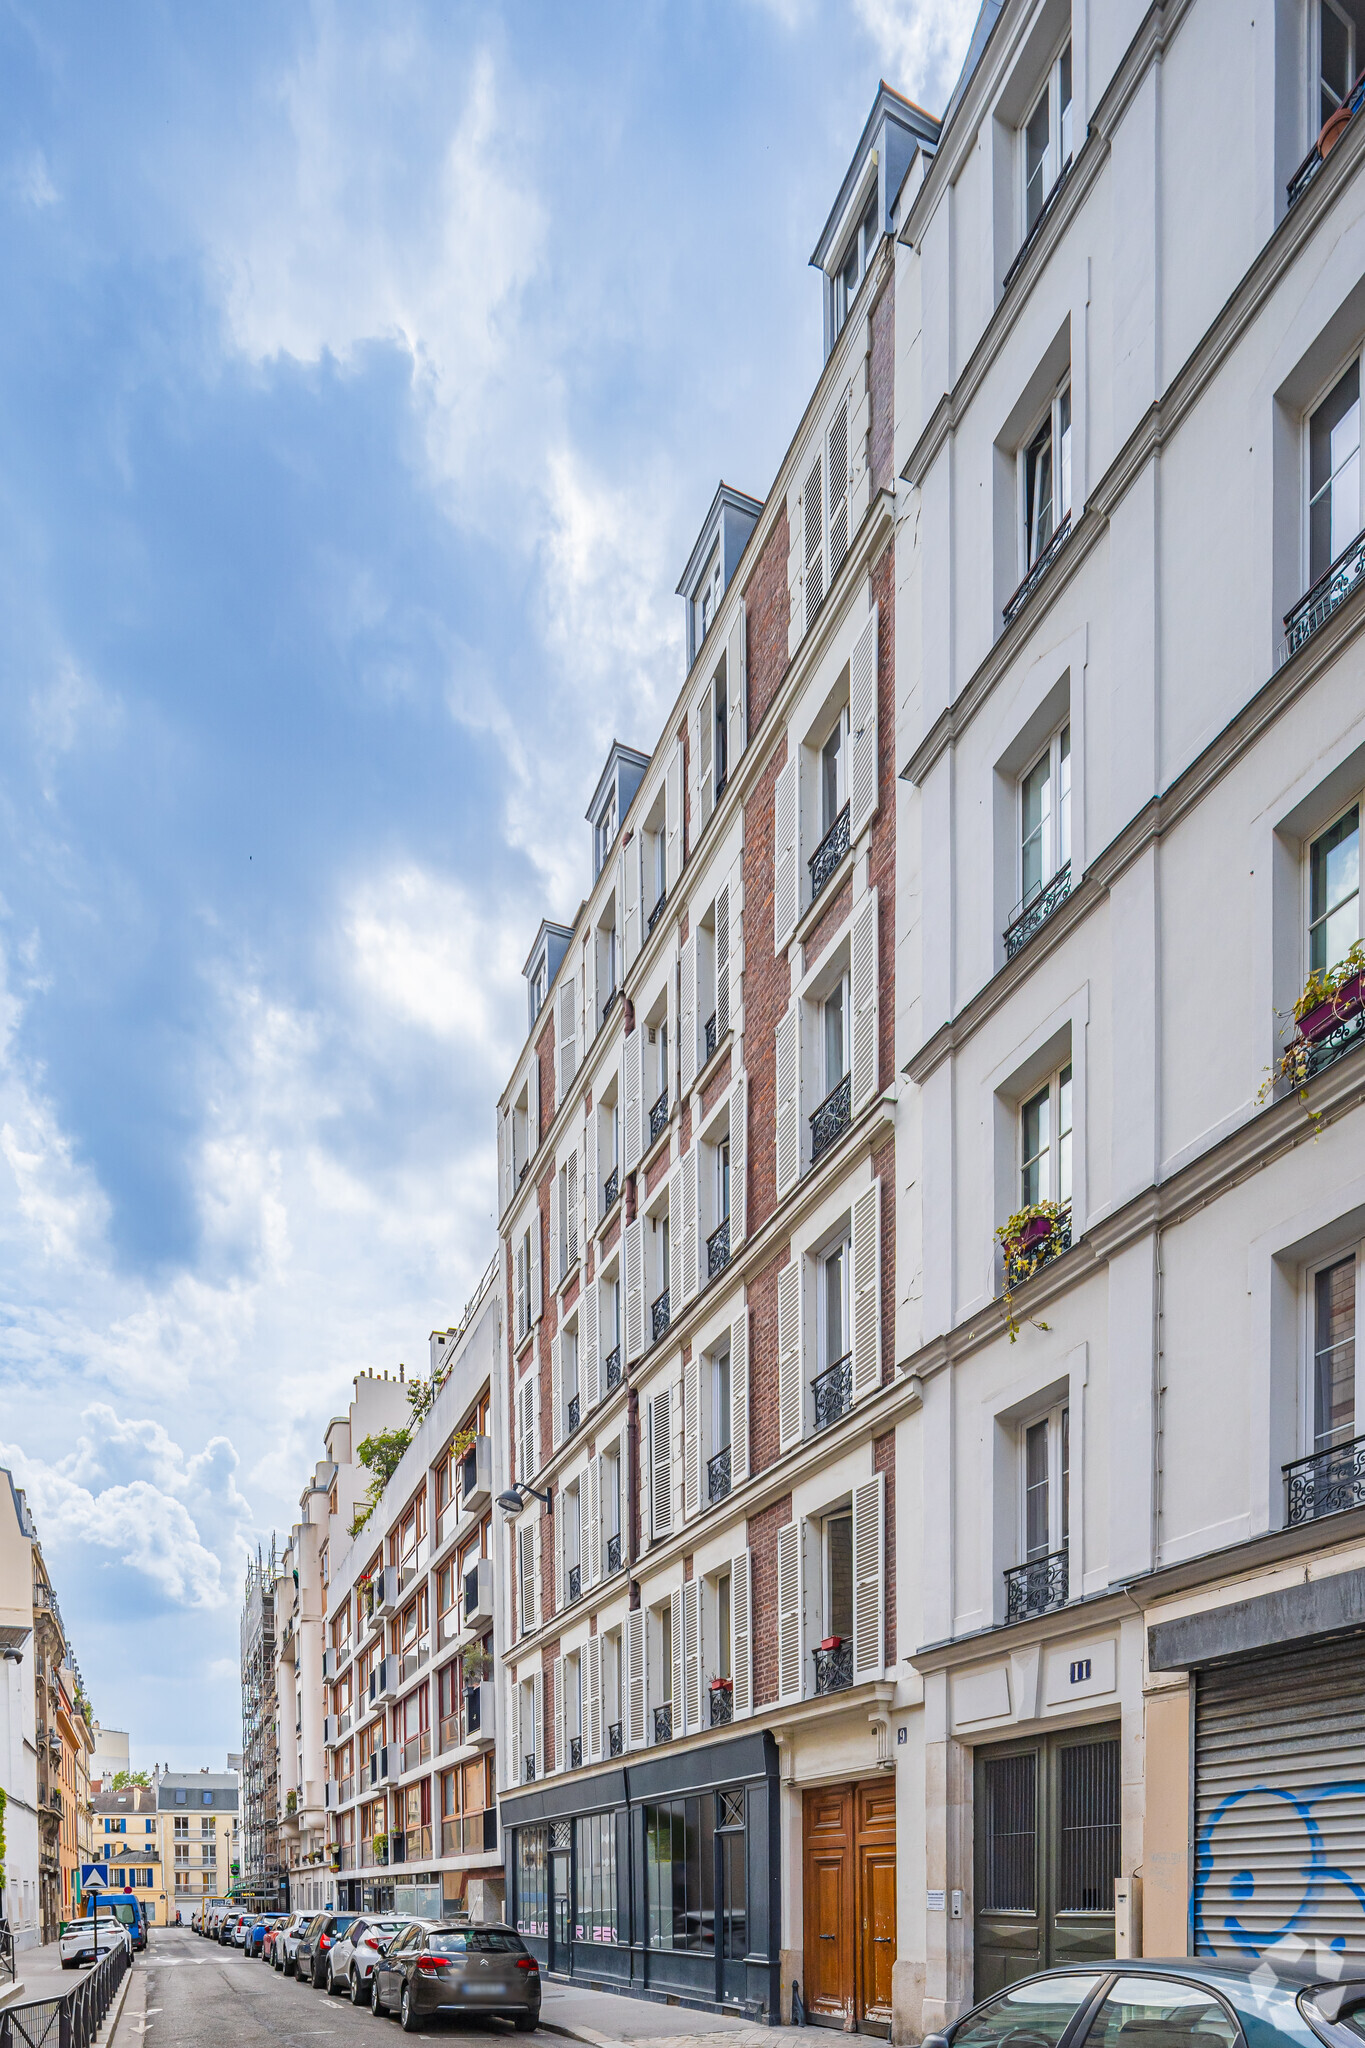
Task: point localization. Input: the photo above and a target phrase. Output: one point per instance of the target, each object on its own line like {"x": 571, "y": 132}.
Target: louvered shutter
{"x": 592, "y": 1535}
{"x": 691, "y": 1674}
{"x": 785, "y": 893}
{"x": 673, "y": 820}
{"x": 812, "y": 526}
{"x": 790, "y": 1616}
{"x": 536, "y": 1572}
{"x": 867, "y": 1322}
{"x": 863, "y": 979}
{"x": 692, "y": 1437}
{"x": 556, "y": 1390}
{"x": 567, "y": 1004}
{"x": 561, "y": 1561}
{"x": 592, "y": 1714}
{"x": 519, "y": 1277}
{"x": 533, "y": 1108}
{"x": 791, "y": 1404}
{"x": 635, "y": 1679}
{"x": 592, "y": 1186}
{"x": 736, "y": 692}
{"x": 675, "y": 1677}
{"x": 513, "y": 1734}
{"x": 590, "y": 1017}
{"x": 559, "y": 1759}
{"x": 687, "y": 1011}
{"x": 673, "y": 1277}
{"x": 741, "y": 1636}
{"x": 691, "y": 1212}
{"x": 788, "y": 1077}
{"x": 537, "y": 1254}
{"x": 572, "y": 1247}
{"x": 632, "y": 1122}
{"x": 660, "y": 1465}
{"x": 739, "y": 1135}
{"x": 504, "y": 1159}
{"x": 739, "y": 1398}
{"x": 706, "y": 769}
{"x": 628, "y": 901}
{"x": 722, "y": 962}
{"x": 556, "y": 1237}
{"x": 862, "y": 719}
{"x": 634, "y": 1261}
{"x": 837, "y": 484}
{"x": 694, "y": 725}
{"x": 538, "y": 1723}
{"x": 589, "y": 1350}
{"x": 869, "y": 1561}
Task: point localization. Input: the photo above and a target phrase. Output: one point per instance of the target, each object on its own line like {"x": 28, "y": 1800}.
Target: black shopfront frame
{"x": 744, "y": 1764}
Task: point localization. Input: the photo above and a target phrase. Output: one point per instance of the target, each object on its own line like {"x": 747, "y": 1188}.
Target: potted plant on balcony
{"x": 477, "y": 1664}
{"x": 381, "y": 1848}
{"x": 1028, "y": 1240}
{"x": 1329, "y": 998}
{"x": 832, "y": 1643}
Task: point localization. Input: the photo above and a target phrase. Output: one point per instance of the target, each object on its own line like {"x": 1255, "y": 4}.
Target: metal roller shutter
{"x": 1279, "y": 1800}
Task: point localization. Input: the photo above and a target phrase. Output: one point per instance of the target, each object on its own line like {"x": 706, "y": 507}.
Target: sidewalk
{"x": 604, "y": 2018}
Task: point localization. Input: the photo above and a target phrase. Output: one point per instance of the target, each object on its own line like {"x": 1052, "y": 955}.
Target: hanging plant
{"x": 1029, "y": 1239}
{"x": 1330, "y": 997}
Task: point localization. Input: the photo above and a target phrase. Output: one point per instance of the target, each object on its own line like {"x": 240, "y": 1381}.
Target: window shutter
{"x": 556, "y": 1239}
{"x": 635, "y": 1287}
{"x": 739, "y": 1398}
{"x": 791, "y": 1402}
{"x": 694, "y": 725}
{"x": 557, "y": 1688}
{"x": 691, "y": 1212}
{"x": 590, "y": 1016}
{"x": 556, "y": 1390}
{"x": 673, "y": 819}
{"x": 660, "y": 1465}
{"x": 675, "y": 1691}
{"x": 561, "y": 1562}
{"x": 691, "y": 1681}
{"x": 514, "y": 1735}
{"x": 673, "y": 1277}
{"x": 592, "y": 1187}
{"x": 867, "y": 1368}
{"x": 706, "y": 775}
{"x": 533, "y": 1108}
{"x": 504, "y": 1160}
{"x": 863, "y": 981}
{"x": 739, "y": 1134}
{"x": 790, "y": 1619}
{"x": 687, "y": 1011}
{"x": 635, "y": 1088}
{"x": 589, "y": 1349}
{"x": 567, "y": 1004}
{"x": 592, "y": 1706}
{"x": 869, "y": 1559}
{"x": 812, "y": 524}
{"x": 692, "y": 1437}
{"x": 736, "y": 691}
{"x": 519, "y": 1276}
{"x": 788, "y": 1146}
{"x": 538, "y": 1722}
{"x": 628, "y": 901}
{"x": 837, "y": 474}
{"x": 722, "y": 962}
{"x": 592, "y": 1543}
{"x": 741, "y": 1636}
{"x": 785, "y": 893}
{"x": 862, "y": 719}
{"x": 535, "y": 1571}
{"x": 571, "y": 1245}
{"x": 635, "y": 1679}
{"x": 537, "y": 1253}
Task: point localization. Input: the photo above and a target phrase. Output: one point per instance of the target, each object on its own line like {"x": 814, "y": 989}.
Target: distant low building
{"x": 127, "y": 1840}
{"x": 199, "y": 1823}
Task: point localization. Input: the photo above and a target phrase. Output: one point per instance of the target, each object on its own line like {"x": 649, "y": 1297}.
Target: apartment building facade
{"x": 698, "y": 1192}
{"x": 126, "y": 1847}
{"x": 199, "y": 1837}
{"x": 262, "y": 1870}
{"x": 1131, "y": 743}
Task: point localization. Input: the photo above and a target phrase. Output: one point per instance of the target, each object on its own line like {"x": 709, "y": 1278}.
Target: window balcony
{"x": 1031, "y": 237}
{"x": 528, "y": 1768}
{"x": 574, "y": 1415}
{"x": 611, "y": 1189}
{"x": 575, "y": 1752}
{"x": 657, "y": 912}
{"x": 828, "y": 853}
{"x": 1031, "y": 915}
{"x": 1036, "y": 1587}
{"x": 1044, "y": 1238}
{"x": 575, "y": 1582}
{"x": 658, "y": 1316}
{"x": 718, "y": 1476}
{"x": 614, "y": 1368}
{"x": 613, "y": 1555}
{"x": 722, "y": 1703}
{"x": 1015, "y": 604}
{"x": 833, "y": 1667}
{"x": 1330, "y": 134}
{"x": 718, "y": 1250}
{"x": 710, "y": 1038}
{"x": 1340, "y": 1035}
{"x": 615, "y": 1742}
{"x": 1326, "y": 596}
{"x": 610, "y": 1004}
{"x": 829, "y": 1122}
{"x": 833, "y": 1391}
{"x": 663, "y": 1723}
{"x": 1327, "y": 1483}
{"x": 658, "y": 1117}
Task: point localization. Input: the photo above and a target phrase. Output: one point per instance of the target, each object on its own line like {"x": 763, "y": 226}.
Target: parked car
{"x": 286, "y": 1944}
{"x": 443, "y": 1966}
{"x": 351, "y": 1961}
{"x": 261, "y": 1925}
{"x": 227, "y": 1927}
{"x": 315, "y": 1945}
{"x": 1188, "y": 2002}
{"x": 274, "y": 1925}
{"x": 241, "y": 1929}
{"x": 86, "y": 1940}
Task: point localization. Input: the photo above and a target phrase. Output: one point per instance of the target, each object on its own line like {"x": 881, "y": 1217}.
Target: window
{"x": 680, "y": 1873}
{"x": 1047, "y": 140}
{"x": 720, "y": 735}
{"x": 1045, "y": 1143}
{"x": 526, "y": 1575}
{"x": 606, "y": 829}
{"x": 538, "y": 986}
{"x": 837, "y": 1563}
{"x": 834, "y": 1034}
{"x": 720, "y": 1402}
{"x": 707, "y": 600}
{"x": 1047, "y": 1484}
{"x": 834, "y": 774}
{"x": 661, "y": 1061}
{"x": 1333, "y": 1311}
{"x": 595, "y": 1907}
{"x": 1046, "y": 479}
{"x": 1336, "y": 30}
{"x": 1039, "y": 2011}
{"x": 834, "y": 1306}
{"x": 1045, "y": 817}
{"x": 854, "y": 267}
{"x": 1151, "y": 2006}
{"x": 533, "y": 1894}
{"x": 1334, "y": 474}
{"x": 1334, "y": 892}
{"x": 723, "y": 1181}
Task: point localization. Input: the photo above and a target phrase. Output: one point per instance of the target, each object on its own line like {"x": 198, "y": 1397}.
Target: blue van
{"x": 128, "y": 1907}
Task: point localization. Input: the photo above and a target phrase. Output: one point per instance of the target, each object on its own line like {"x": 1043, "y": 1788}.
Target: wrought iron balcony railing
{"x": 722, "y": 1706}
{"x": 718, "y": 1476}
{"x": 657, "y": 912}
{"x": 663, "y": 1723}
{"x": 1330, "y": 591}
{"x": 574, "y": 1416}
{"x": 828, "y": 853}
{"x": 658, "y": 1117}
{"x": 1021, "y": 1265}
{"x": 575, "y": 1752}
{"x": 1327, "y": 1483}
{"x": 613, "y": 1554}
{"x": 833, "y": 1669}
{"x": 611, "y": 1188}
{"x": 1031, "y": 915}
{"x": 610, "y": 1004}
{"x": 718, "y": 1249}
{"x": 614, "y": 1368}
{"x": 710, "y": 1037}
{"x": 528, "y": 1767}
{"x": 614, "y": 1738}
{"x": 658, "y": 1316}
{"x": 1031, "y": 237}
{"x": 833, "y": 1391}
{"x": 1036, "y": 1587}
{"x": 575, "y": 1582}
{"x": 831, "y": 1119}
{"x": 1343, "y": 1035}
{"x": 1016, "y": 603}
{"x": 1314, "y": 161}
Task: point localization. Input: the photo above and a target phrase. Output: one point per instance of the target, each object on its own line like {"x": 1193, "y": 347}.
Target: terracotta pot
{"x": 722, "y": 1684}
{"x": 1348, "y": 999}
{"x": 832, "y": 1643}
{"x": 1332, "y": 130}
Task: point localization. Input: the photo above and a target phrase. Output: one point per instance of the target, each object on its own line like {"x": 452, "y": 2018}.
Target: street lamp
{"x": 513, "y": 1499}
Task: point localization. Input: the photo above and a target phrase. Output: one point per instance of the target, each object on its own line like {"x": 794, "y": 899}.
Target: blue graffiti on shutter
{"x": 1315, "y": 1871}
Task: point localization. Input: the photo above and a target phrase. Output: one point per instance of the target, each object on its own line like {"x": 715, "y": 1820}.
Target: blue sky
{"x": 365, "y": 374}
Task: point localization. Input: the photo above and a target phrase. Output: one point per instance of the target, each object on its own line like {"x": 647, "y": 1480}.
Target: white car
{"x": 84, "y": 1941}
{"x": 350, "y": 1966}
{"x": 285, "y": 1953}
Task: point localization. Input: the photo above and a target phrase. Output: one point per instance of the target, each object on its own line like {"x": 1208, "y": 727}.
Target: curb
{"x": 588, "y": 2034}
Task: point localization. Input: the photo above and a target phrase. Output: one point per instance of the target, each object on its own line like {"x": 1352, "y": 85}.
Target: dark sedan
{"x": 1187, "y": 2002}
{"x": 310, "y": 1959}
{"x": 443, "y": 1966}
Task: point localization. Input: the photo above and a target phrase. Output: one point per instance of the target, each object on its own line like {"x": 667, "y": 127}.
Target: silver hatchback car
{"x": 454, "y": 1967}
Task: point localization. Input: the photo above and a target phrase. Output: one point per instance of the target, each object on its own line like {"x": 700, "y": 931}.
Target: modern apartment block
{"x": 1131, "y": 741}
{"x": 699, "y": 1195}
{"x": 262, "y": 1872}
{"x": 199, "y": 1835}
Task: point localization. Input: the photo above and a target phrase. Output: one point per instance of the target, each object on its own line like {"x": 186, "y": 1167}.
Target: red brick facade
{"x": 882, "y": 384}
{"x": 767, "y": 616}
{"x": 767, "y": 992}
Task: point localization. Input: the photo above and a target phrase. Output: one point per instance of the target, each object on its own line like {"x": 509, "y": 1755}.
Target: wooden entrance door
{"x": 849, "y": 1894}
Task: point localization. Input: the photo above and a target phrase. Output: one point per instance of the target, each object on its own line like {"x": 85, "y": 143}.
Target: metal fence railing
{"x": 73, "y": 2019}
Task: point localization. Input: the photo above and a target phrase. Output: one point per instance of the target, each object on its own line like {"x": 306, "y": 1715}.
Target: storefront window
{"x": 680, "y": 1873}
{"x": 595, "y": 1910}
{"x": 533, "y": 1902}
{"x": 733, "y": 1923}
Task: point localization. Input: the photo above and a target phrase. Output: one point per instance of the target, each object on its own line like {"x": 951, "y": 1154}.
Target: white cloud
{"x": 920, "y": 44}
{"x": 436, "y": 955}
{"x": 31, "y": 181}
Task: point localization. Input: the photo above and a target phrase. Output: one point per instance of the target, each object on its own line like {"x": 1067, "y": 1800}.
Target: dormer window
{"x": 708, "y": 597}
{"x": 854, "y": 268}
{"x": 606, "y": 831}
{"x": 538, "y": 986}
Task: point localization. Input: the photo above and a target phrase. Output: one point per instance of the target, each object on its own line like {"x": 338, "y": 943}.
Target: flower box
{"x": 1318, "y": 1021}
{"x": 1035, "y": 1231}
{"x": 722, "y": 1685}
{"x": 832, "y": 1643}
